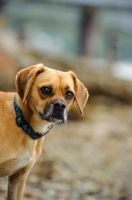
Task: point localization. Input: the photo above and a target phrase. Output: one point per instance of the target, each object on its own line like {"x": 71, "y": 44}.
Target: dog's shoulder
{"x": 6, "y": 100}
{"x": 6, "y": 95}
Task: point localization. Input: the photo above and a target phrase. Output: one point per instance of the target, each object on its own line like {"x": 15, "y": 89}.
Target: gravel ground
{"x": 89, "y": 158}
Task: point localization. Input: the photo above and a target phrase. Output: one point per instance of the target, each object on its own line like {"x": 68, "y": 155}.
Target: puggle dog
{"x": 44, "y": 96}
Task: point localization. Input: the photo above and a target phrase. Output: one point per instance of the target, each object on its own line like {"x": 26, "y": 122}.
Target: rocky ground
{"x": 90, "y": 158}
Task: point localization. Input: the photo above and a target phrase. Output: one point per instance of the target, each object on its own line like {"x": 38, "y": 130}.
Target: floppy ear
{"x": 81, "y": 93}
{"x": 25, "y": 79}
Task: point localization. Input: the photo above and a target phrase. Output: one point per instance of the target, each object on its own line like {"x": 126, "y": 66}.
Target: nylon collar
{"x": 21, "y": 122}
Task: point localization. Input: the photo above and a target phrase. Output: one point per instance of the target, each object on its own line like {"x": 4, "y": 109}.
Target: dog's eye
{"x": 46, "y": 91}
{"x": 69, "y": 95}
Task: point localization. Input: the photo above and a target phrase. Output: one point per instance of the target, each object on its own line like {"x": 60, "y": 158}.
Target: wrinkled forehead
{"x": 55, "y": 78}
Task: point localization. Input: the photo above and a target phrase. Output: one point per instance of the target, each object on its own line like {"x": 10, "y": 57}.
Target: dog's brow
{"x": 67, "y": 87}
{"x": 46, "y": 85}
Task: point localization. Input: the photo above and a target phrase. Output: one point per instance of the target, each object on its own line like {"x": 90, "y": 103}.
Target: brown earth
{"x": 8, "y": 70}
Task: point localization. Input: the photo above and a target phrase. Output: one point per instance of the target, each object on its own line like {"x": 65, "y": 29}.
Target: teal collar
{"x": 21, "y": 122}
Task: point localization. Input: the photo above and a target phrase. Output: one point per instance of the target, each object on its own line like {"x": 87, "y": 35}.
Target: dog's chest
{"x": 14, "y": 164}
{"x": 22, "y": 160}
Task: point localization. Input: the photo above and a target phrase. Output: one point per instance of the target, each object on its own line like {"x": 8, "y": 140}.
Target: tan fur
{"x": 19, "y": 152}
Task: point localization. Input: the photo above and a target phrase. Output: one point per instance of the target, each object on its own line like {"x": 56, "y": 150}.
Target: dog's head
{"x": 50, "y": 93}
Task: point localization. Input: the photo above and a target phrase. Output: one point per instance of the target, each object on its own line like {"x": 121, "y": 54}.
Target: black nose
{"x": 59, "y": 105}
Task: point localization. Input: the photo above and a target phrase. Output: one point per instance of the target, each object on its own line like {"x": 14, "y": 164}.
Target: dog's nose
{"x": 59, "y": 105}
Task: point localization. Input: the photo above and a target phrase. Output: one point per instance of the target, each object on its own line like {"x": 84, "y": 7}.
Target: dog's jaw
{"x": 39, "y": 125}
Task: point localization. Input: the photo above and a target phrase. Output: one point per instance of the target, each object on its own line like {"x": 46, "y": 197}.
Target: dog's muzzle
{"x": 55, "y": 112}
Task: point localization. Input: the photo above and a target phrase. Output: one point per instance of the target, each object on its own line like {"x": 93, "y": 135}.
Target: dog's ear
{"x": 81, "y": 93}
{"x": 25, "y": 79}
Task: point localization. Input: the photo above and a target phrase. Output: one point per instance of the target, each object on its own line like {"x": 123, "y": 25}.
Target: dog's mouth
{"x": 55, "y": 112}
{"x": 52, "y": 119}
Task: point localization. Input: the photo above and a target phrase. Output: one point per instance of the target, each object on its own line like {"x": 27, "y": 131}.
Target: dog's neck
{"x": 35, "y": 122}
{"x": 26, "y": 110}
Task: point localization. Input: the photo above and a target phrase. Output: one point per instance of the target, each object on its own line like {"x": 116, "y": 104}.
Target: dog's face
{"x": 50, "y": 93}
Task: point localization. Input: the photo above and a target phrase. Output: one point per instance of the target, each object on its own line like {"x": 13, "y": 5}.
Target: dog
{"x": 43, "y": 97}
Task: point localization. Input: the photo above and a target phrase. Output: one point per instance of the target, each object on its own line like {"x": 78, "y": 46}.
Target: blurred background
{"x": 90, "y": 158}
